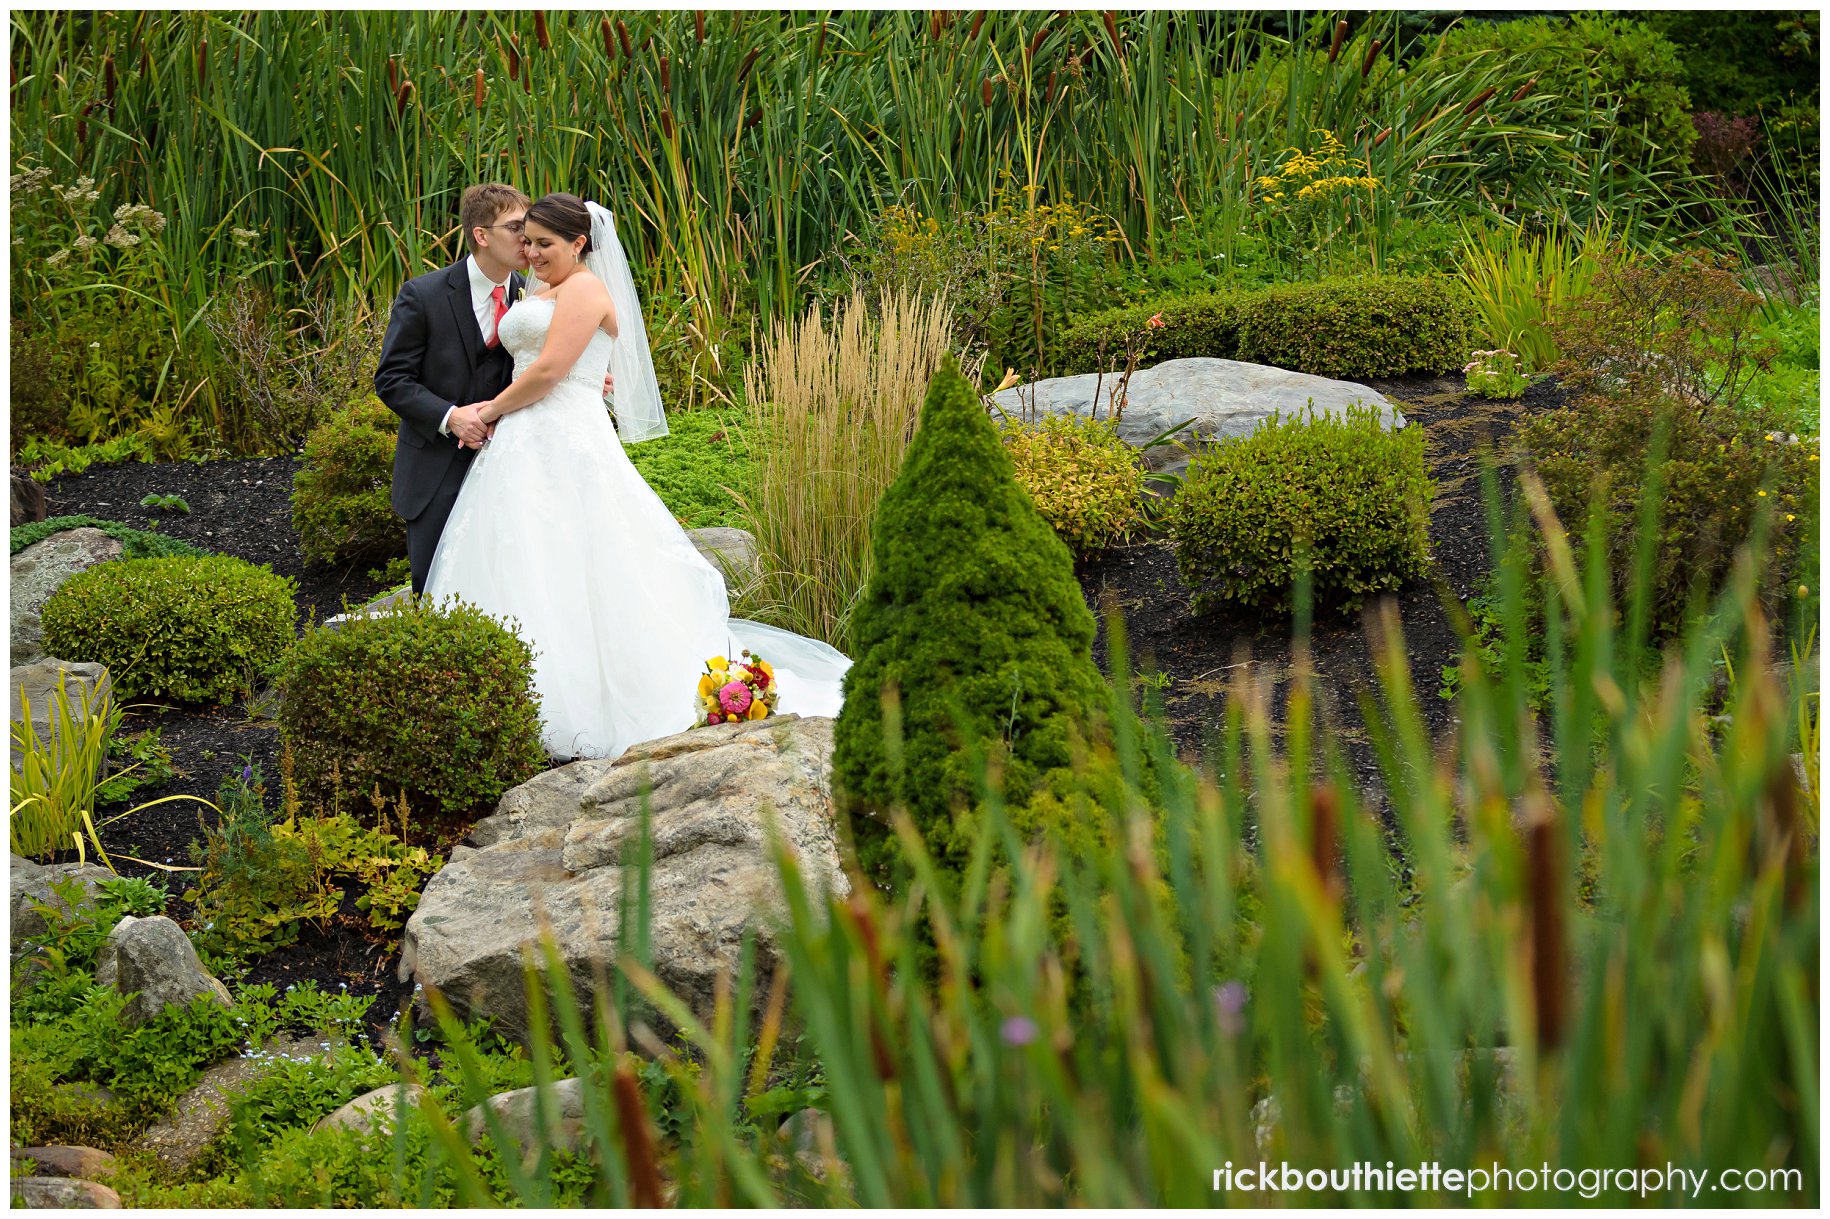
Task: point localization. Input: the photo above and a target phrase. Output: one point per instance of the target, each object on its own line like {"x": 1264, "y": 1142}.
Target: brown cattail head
{"x": 1480, "y": 100}
{"x": 403, "y": 97}
{"x": 603, "y": 27}
{"x": 1544, "y": 892}
{"x": 108, "y": 79}
{"x": 819, "y": 40}
{"x": 1340, "y": 36}
{"x": 934, "y": 25}
{"x": 638, "y": 1138}
{"x": 203, "y": 62}
{"x": 748, "y": 62}
{"x": 667, "y": 80}
{"x": 512, "y": 53}
{"x": 540, "y": 34}
{"x": 393, "y": 76}
{"x": 622, "y": 35}
{"x": 1382, "y": 137}
{"x": 1372, "y": 57}
{"x": 1111, "y": 20}
{"x": 699, "y": 25}
{"x": 985, "y": 91}
{"x": 667, "y": 124}
{"x": 978, "y": 23}
{"x": 755, "y": 118}
{"x": 82, "y": 125}
{"x": 1048, "y": 94}
{"x": 1523, "y": 90}
{"x": 482, "y": 89}
{"x": 1035, "y": 44}
{"x": 1324, "y": 839}
{"x": 527, "y": 79}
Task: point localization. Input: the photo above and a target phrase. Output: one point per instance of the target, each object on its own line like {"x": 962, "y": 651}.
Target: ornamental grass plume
{"x": 973, "y": 637}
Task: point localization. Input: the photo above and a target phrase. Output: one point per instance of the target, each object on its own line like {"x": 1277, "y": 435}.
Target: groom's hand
{"x": 609, "y": 384}
{"x": 468, "y": 427}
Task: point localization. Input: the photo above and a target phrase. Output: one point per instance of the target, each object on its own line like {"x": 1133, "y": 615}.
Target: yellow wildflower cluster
{"x": 1016, "y": 215}
{"x": 1314, "y": 177}
{"x": 908, "y": 233}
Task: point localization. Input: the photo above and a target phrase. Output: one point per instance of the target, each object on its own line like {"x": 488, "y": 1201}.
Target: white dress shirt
{"x": 482, "y": 303}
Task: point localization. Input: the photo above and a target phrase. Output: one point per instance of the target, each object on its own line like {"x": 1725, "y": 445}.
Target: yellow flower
{"x": 705, "y": 685}
{"x": 1790, "y": 517}
{"x": 717, "y": 663}
{"x": 1763, "y": 495}
{"x": 758, "y": 710}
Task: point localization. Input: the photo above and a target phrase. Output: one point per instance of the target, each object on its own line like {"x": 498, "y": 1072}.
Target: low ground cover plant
{"x": 700, "y": 468}
{"x": 1084, "y": 479}
{"x": 184, "y": 629}
{"x": 135, "y": 543}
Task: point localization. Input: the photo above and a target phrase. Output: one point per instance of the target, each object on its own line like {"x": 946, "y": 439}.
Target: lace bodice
{"x": 523, "y": 333}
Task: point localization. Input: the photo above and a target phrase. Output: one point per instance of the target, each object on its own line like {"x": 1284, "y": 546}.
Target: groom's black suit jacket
{"x": 432, "y": 359}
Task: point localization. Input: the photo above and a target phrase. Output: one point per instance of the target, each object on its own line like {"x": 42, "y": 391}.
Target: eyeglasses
{"x": 513, "y": 226}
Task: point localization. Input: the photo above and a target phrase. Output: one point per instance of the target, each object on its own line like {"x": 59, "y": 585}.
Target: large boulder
{"x": 518, "y": 1113}
{"x": 40, "y": 570}
{"x": 86, "y": 1163}
{"x": 1226, "y": 399}
{"x": 62, "y": 1194}
{"x": 31, "y": 887}
{"x": 28, "y": 498}
{"x": 152, "y": 960}
{"x": 554, "y": 853}
{"x": 379, "y": 1107}
{"x": 87, "y": 690}
{"x": 731, "y": 551}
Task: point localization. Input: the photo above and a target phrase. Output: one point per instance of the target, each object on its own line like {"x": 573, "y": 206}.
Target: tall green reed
{"x": 1586, "y": 941}
{"x": 1518, "y": 280}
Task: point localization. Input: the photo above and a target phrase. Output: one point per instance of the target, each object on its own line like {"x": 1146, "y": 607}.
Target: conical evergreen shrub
{"x": 974, "y": 618}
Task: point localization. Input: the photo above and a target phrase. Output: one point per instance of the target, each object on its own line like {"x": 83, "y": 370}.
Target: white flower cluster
{"x": 140, "y": 214}
{"x": 1480, "y": 362}
{"x": 31, "y": 181}
{"x": 83, "y": 192}
{"x": 244, "y": 238}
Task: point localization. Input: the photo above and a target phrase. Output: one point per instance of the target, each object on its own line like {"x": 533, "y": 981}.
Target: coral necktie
{"x": 499, "y": 295}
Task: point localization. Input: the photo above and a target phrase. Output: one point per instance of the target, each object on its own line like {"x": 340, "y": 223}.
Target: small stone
{"x": 153, "y": 960}
{"x": 61, "y": 1193}
{"x": 372, "y": 1108}
{"x": 85, "y": 1162}
{"x": 731, "y": 551}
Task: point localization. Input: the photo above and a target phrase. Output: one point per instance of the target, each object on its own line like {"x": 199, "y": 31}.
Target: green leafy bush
{"x": 340, "y": 496}
{"x": 704, "y": 452}
{"x": 135, "y": 543}
{"x": 1611, "y": 76}
{"x": 1355, "y": 495}
{"x": 973, "y": 620}
{"x": 431, "y": 702}
{"x": 193, "y": 630}
{"x": 1349, "y": 326}
{"x": 1087, "y": 483}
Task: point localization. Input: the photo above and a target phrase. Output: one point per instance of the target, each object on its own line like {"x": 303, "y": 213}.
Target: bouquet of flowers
{"x": 744, "y": 690}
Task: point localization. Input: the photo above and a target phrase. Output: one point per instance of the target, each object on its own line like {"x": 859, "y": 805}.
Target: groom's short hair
{"x": 482, "y": 203}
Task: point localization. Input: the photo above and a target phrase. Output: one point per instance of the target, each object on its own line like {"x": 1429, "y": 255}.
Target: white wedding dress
{"x": 555, "y": 530}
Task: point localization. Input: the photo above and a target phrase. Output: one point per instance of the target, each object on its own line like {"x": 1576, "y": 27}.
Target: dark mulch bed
{"x": 243, "y": 508}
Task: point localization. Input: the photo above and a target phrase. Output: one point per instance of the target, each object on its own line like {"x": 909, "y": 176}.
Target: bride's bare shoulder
{"x": 582, "y": 284}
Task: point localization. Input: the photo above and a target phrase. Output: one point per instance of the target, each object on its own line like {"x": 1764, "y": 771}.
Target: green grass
{"x": 703, "y": 453}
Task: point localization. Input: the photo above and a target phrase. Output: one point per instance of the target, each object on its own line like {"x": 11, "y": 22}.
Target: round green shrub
{"x": 433, "y": 701}
{"x": 1087, "y": 483}
{"x": 340, "y": 496}
{"x": 974, "y": 619}
{"x": 1355, "y": 494}
{"x": 187, "y": 629}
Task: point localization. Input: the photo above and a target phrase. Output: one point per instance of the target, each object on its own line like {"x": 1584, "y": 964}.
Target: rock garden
{"x": 1334, "y": 618}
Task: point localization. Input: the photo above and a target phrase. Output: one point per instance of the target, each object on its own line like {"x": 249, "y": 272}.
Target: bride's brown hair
{"x": 564, "y": 214}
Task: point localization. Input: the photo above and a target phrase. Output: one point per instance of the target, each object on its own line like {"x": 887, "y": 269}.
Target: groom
{"x": 441, "y": 357}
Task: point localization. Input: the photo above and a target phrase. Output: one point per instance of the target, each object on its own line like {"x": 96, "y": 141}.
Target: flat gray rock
{"x": 152, "y": 960}
{"x": 1227, "y": 399}
{"x": 40, "y": 570}
{"x": 202, "y": 1113}
{"x": 84, "y": 1162}
{"x": 517, "y": 1113}
{"x": 555, "y": 852}
{"x": 379, "y": 605}
{"x": 377, "y": 1108}
{"x": 86, "y": 685}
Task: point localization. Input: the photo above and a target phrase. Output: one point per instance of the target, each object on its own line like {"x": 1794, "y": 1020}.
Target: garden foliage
{"x": 1085, "y": 480}
{"x": 340, "y": 495}
{"x": 135, "y": 543}
{"x": 433, "y": 701}
{"x": 973, "y": 632}
{"x": 190, "y": 630}
{"x": 1344, "y": 327}
{"x": 1351, "y": 496}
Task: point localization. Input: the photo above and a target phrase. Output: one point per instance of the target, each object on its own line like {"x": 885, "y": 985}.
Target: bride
{"x": 556, "y": 530}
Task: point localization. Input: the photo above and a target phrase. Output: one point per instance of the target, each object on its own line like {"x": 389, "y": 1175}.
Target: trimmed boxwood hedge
{"x": 191, "y": 630}
{"x": 1346, "y": 327}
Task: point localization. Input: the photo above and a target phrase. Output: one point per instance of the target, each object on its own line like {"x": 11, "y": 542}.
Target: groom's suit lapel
{"x": 463, "y": 314}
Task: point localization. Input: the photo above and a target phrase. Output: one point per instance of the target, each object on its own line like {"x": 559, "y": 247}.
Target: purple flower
{"x": 1229, "y": 1002}
{"x": 247, "y": 774}
{"x": 1018, "y": 1030}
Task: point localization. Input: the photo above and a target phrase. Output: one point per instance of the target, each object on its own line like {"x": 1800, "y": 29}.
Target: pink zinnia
{"x": 734, "y": 697}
